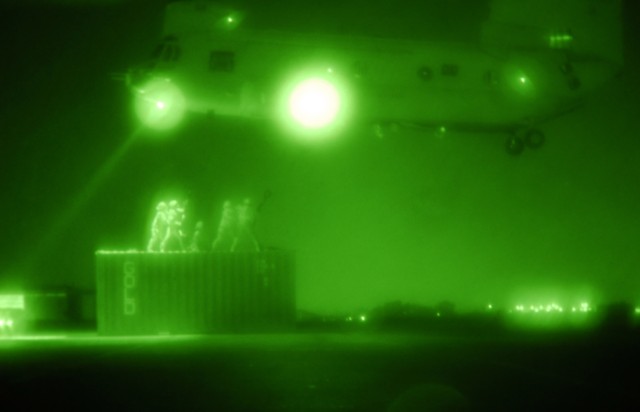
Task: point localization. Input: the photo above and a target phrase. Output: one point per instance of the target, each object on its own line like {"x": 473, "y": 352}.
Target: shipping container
{"x": 184, "y": 293}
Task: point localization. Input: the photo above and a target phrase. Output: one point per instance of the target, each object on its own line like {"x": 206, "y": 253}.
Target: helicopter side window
{"x": 168, "y": 50}
{"x": 171, "y": 53}
{"x": 168, "y": 53}
{"x": 157, "y": 52}
{"x": 177, "y": 52}
{"x": 222, "y": 61}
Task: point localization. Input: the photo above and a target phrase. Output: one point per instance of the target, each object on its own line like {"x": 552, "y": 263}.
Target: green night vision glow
{"x": 230, "y": 21}
{"x": 160, "y": 104}
{"x": 523, "y": 85}
{"x": 520, "y": 76}
{"x": 12, "y": 302}
{"x": 314, "y": 103}
{"x": 6, "y": 323}
{"x": 560, "y": 41}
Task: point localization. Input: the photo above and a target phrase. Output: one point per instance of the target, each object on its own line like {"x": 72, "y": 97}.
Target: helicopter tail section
{"x": 585, "y": 29}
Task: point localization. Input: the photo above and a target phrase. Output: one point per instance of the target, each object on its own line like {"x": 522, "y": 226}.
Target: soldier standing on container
{"x": 244, "y": 235}
{"x": 196, "y": 239}
{"x": 227, "y": 228}
{"x": 158, "y": 228}
{"x": 174, "y": 234}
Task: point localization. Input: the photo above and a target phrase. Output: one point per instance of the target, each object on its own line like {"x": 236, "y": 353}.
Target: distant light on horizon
{"x": 551, "y": 308}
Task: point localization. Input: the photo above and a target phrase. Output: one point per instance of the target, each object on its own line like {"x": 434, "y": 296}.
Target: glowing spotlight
{"x": 314, "y": 103}
{"x": 363, "y": 318}
{"x": 160, "y": 104}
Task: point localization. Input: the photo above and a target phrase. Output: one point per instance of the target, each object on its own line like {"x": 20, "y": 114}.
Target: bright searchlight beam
{"x": 314, "y": 103}
{"x": 160, "y": 104}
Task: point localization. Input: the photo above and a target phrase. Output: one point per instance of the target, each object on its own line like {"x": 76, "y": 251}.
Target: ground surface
{"x": 318, "y": 372}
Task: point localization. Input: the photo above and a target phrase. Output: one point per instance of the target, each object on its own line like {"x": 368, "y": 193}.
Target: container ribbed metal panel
{"x": 158, "y": 293}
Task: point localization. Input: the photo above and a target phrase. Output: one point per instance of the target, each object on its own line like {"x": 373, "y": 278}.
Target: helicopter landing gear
{"x": 519, "y": 140}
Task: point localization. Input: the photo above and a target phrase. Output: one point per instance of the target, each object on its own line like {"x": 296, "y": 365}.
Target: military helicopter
{"x": 526, "y": 69}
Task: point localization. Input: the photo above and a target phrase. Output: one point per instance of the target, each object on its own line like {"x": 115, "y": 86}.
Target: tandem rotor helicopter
{"x": 526, "y": 68}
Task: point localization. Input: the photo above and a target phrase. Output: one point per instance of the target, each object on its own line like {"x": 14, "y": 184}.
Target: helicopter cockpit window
{"x": 171, "y": 53}
{"x": 167, "y": 51}
{"x": 157, "y": 52}
{"x": 222, "y": 61}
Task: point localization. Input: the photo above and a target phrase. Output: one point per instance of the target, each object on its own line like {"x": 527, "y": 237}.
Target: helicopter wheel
{"x": 514, "y": 145}
{"x": 534, "y": 139}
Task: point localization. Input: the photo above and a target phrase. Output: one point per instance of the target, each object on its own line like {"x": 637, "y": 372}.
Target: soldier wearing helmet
{"x": 174, "y": 235}
{"x": 245, "y": 238}
{"x": 227, "y": 229}
{"x": 158, "y": 228}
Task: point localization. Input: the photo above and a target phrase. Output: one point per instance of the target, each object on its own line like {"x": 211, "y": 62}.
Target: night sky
{"x": 409, "y": 217}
